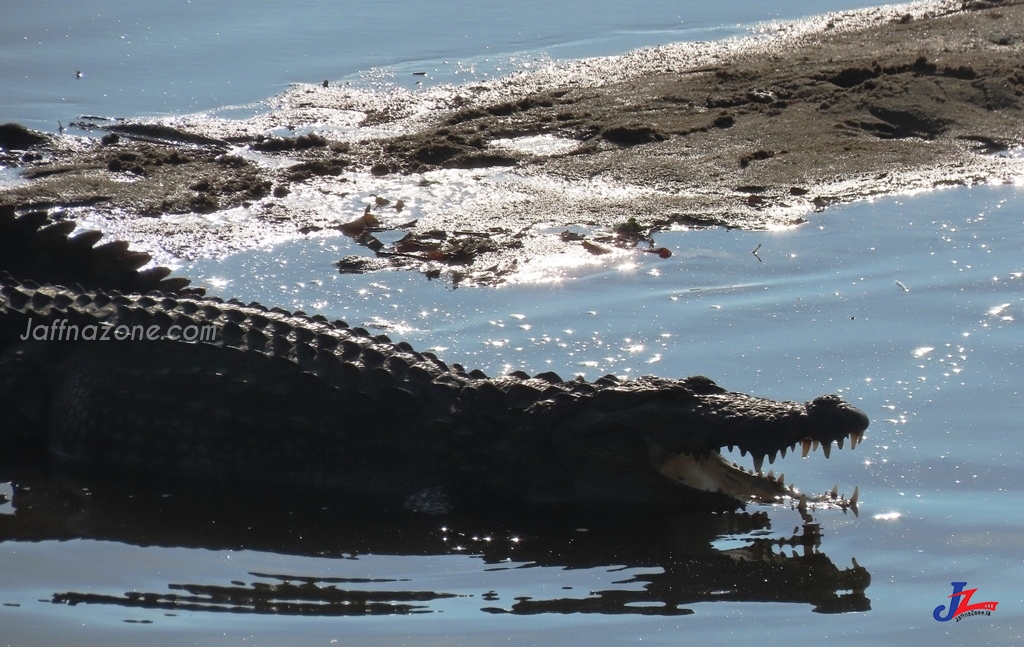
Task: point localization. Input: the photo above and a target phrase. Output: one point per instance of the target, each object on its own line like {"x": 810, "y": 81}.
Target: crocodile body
{"x": 269, "y": 396}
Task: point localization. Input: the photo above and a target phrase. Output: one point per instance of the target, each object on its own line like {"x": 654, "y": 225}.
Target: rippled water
{"x": 157, "y": 58}
{"x": 909, "y": 307}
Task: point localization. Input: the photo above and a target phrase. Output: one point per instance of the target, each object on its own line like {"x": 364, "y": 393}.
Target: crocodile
{"x": 108, "y": 365}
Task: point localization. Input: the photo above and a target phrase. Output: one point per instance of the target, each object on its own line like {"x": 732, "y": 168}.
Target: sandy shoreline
{"x": 875, "y": 102}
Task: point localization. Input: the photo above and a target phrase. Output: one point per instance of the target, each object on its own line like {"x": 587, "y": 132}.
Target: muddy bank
{"x": 743, "y": 134}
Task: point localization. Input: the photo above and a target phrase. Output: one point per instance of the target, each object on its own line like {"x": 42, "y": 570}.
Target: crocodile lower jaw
{"x": 713, "y": 473}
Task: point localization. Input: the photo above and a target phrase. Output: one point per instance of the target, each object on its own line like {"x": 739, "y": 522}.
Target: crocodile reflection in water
{"x": 662, "y": 564}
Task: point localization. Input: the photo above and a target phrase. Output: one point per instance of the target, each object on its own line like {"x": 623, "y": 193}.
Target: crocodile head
{"x": 659, "y": 441}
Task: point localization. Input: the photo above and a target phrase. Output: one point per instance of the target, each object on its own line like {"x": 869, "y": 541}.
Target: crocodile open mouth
{"x": 712, "y": 472}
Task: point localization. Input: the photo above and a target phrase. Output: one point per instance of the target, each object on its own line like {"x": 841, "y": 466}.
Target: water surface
{"x": 162, "y": 58}
{"x": 908, "y": 307}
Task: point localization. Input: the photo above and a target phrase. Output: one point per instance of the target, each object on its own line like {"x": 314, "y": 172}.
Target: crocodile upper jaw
{"x": 713, "y": 473}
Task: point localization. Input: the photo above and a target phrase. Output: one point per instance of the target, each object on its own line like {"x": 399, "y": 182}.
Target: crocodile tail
{"x": 35, "y": 246}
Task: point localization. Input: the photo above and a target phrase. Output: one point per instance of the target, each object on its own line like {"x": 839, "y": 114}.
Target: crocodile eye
{"x": 826, "y": 400}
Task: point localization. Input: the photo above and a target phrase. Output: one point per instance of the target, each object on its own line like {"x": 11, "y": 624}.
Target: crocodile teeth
{"x": 856, "y": 495}
{"x": 781, "y": 479}
{"x": 827, "y": 448}
{"x": 854, "y": 439}
{"x": 835, "y": 491}
{"x": 771, "y": 458}
{"x": 758, "y": 463}
{"x": 806, "y": 447}
{"x": 839, "y": 442}
{"x": 783, "y": 452}
{"x": 771, "y": 474}
{"x": 814, "y": 445}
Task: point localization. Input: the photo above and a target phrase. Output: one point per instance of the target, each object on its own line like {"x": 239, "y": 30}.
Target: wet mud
{"x": 750, "y": 134}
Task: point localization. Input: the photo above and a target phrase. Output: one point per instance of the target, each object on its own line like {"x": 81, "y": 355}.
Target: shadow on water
{"x": 661, "y": 564}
